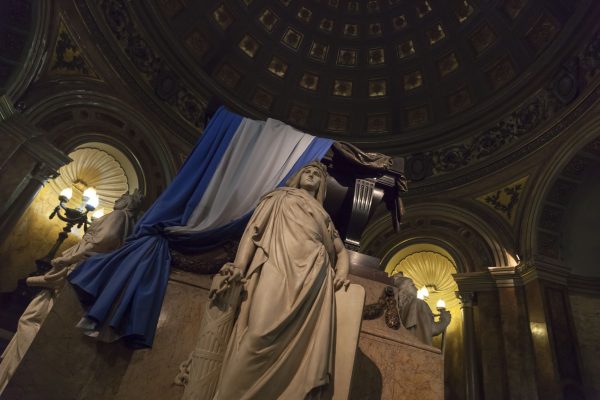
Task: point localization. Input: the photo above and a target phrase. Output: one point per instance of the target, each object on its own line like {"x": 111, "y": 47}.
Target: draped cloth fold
{"x": 282, "y": 343}
{"x": 125, "y": 289}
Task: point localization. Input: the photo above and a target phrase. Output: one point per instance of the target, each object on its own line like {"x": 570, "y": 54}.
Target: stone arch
{"x": 471, "y": 242}
{"x": 72, "y": 120}
{"x": 540, "y": 236}
{"x": 34, "y": 49}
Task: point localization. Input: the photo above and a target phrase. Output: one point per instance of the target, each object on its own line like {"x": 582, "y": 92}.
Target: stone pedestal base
{"x": 393, "y": 364}
{"x": 64, "y": 364}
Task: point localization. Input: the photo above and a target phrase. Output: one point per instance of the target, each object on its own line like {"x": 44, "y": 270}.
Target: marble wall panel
{"x": 518, "y": 349}
{"x": 64, "y": 364}
{"x": 586, "y": 316}
{"x": 31, "y": 238}
{"x": 490, "y": 347}
{"x": 393, "y": 364}
{"x": 151, "y": 372}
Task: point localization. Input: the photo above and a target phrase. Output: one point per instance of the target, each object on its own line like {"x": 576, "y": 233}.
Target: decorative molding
{"x": 474, "y": 282}
{"x": 67, "y": 56}
{"x": 467, "y": 299}
{"x": 505, "y": 201}
{"x": 506, "y": 276}
{"x": 561, "y": 125}
{"x": 576, "y": 73}
{"x": 154, "y": 69}
{"x": 584, "y": 284}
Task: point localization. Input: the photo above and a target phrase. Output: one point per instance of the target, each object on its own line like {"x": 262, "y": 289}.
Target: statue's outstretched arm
{"x": 442, "y": 324}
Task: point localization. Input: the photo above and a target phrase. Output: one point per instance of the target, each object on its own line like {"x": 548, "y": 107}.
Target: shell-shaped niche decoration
{"x": 434, "y": 271}
{"x": 92, "y": 168}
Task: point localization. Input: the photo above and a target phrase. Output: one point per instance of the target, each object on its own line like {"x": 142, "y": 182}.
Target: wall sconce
{"x": 72, "y": 217}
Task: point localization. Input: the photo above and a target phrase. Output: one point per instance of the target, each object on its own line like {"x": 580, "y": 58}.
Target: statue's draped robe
{"x": 104, "y": 234}
{"x": 282, "y": 343}
{"x": 417, "y": 317}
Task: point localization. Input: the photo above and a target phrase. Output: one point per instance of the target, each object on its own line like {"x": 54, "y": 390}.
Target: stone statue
{"x": 290, "y": 262}
{"x": 104, "y": 234}
{"x": 402, "y": 307}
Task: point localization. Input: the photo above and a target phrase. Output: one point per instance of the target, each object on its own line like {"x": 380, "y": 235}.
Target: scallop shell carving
{"x": 92, "y": 168}
{"x": 428, "y": 268}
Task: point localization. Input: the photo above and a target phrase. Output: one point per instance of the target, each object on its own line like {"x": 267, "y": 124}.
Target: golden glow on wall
{"x": 430, "y": 267}
{"x": 92, "y": 168}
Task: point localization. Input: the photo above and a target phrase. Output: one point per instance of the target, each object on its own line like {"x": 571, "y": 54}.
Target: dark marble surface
{"x": 63, "y": 364}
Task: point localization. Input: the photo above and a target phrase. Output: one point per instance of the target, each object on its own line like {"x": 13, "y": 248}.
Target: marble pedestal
{"x": 64, "y": 364}
{"x": 393, "y": 364}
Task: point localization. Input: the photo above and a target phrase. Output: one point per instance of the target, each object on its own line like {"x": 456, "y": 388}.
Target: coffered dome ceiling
{"x": 402, "y": 71}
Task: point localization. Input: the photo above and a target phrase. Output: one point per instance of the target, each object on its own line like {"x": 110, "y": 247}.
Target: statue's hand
{"x": 60, "y": 262}
{"x": 341, "y": 280}
{"x": 222, "y": 281}
{"x": 445, "y": 317}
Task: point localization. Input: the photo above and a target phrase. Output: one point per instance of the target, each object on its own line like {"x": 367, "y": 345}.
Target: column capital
{"x": 466, "y": 298}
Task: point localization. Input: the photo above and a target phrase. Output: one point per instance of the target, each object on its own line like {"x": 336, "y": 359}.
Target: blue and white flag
{"x": 235, "y": 162}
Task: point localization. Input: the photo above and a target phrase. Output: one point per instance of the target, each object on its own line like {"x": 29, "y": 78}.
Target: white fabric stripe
{"x": 259, "y": 156}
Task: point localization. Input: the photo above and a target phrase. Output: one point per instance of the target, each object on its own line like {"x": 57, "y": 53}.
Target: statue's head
{"x": 130, "y": 202}
{"x": 313, "y": 178}
{"x": 406, "y": 286}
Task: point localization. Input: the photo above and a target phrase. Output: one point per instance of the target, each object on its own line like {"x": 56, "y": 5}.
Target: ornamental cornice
{"x": 174, "y": 102}
{"x": 512, "y": 138}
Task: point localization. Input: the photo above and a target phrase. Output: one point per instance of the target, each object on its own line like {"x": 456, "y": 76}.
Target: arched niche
{"x": 567, "y": 220}
{"x": 471, "y": 242}
{"x": 431, "y": 264}
{"x": 560, "y": 190}
{"x": 96, "y": 165}
{"x": 71, "y": 120}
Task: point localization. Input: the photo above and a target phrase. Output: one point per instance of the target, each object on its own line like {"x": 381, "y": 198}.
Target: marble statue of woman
{"x": 291, "y": 261}
{"x": 105, "y": 234}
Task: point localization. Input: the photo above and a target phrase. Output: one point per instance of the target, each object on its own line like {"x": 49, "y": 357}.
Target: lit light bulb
{"x": 425, "y": 291}
{"x": 89, "y": 193}
{"x": 66, "y": 193}
{"x": 92, "y": 202}
{"x": 99, "y": 213}
{"x": 441, "y": 304}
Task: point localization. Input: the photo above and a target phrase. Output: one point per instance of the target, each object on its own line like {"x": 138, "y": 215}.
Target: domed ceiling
{"x": 398, "y": 71}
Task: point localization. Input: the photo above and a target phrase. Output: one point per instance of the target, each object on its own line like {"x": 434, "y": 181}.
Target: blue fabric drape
{"x": 125, "y": 289}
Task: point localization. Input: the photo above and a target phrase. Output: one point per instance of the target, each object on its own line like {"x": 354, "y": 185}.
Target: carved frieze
{"x": 505, "y": 201}
{"x": 155, "y": 70}
{"x": 67, "y": 56}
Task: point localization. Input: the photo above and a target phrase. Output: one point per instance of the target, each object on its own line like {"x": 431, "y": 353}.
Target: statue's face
{"x": 122, "y": 202}
{"x": 311, "y": 179}
{"x": 409, "y": 286}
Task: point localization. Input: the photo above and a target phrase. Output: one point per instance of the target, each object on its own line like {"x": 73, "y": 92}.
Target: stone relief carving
{"x": 154, "y": 68}
{"x": 67, "y": 57}
{"x": 546, "y": 103}
{"x": 505, "y": 200}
